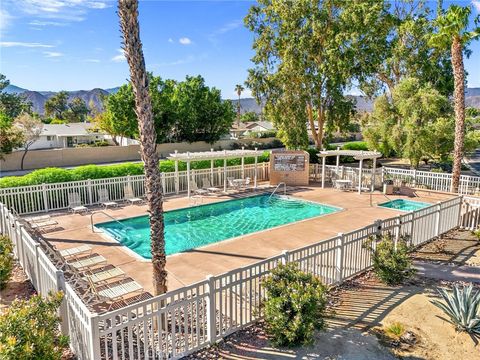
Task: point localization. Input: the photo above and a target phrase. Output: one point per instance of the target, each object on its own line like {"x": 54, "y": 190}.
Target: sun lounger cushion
{"x": 75, "y": 251}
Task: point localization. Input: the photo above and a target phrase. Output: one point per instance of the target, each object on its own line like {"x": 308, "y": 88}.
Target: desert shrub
{"x": 294, "y": 306}
{"x": 395, "y": 330}
{"x": 6, "y": 260}
{"x": 462, "y": 305}
{"x": 29, "y": 329}
{"x": 392, "y": 265}
{"x": 85, "y": 172}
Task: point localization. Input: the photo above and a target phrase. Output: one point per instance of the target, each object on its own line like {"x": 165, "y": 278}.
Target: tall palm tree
{"x": 239, "y": 89}
{"x": 453, "y": 32}
{"x": 132, "y": 47}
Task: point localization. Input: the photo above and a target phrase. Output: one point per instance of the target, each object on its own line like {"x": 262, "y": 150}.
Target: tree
{"x": 250, "y": 116}
{"x": 201, "y": 113}
{"x": 307, "y": 54}
{"x": 57, "y": 105}
{"x": 31, "y": 129}
{"x": 453, "y": 32}
{"x": 132, "y": 46}
{"x": 12, "y": 105}
{"x": 239, "y": 89}
{"x": 77, "y": 110}
{"x": 10, "y": 136}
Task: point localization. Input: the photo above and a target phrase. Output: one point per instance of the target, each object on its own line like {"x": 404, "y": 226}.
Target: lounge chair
{"x": 75, "y": 203}
{"x": 104, "y": 199}
{"x": 41, "y": 222}
{"x": 104, "y": 274}
{"x": 75, "y": 251}
{"x": 407, "y": 191}
{"x": 196, "y": 189}
{"x": 112, "y": 293}
{"x": 130, "y": 196}
{"x": 207, "y": 185}
{"x": 81, "y": 264}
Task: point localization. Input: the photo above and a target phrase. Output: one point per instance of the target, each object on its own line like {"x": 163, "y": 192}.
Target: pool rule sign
{"x": 290, "y": 167}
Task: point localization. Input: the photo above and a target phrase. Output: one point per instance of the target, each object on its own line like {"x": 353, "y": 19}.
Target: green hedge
{"x": 57, "y": 175}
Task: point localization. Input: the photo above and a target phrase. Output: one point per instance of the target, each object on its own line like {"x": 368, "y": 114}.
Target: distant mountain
{"x": 94, "y": 96}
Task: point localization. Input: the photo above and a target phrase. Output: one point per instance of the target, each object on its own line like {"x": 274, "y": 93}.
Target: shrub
{"x": 294, "y": 306}
{"x": 355, "y": 145}
{"x": 462, "y": 305}
{"x": 6, "y": 260}
{"x": 395, "y": 330}
{"x": 29, "y": 329}
{"x": 392, "y": 265}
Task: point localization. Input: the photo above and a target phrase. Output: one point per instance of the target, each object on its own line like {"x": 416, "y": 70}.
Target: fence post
{"x": 339, "y": 257}
{"x": 398, "y": 225}
{"x": 18, "y": 238}
{"x": 437, "y": 218}
{"x": 37, "y": 270}
{"x": 45, "y": 197}
{"x": 89, "y": 189}
{"x": 64, "y": 326}
{"x": 284, "y": 259}
{"x": 94, "y": 338}
{"x": 462, "y": 201}
{"x": 162, "y": 175}
{"x": 383, "y": 175}
{"x": 211, "y": 311}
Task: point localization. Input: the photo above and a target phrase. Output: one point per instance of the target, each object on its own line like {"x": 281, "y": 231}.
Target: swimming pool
{"x": 405, "y": 205}
{"x": 197, "y": 226}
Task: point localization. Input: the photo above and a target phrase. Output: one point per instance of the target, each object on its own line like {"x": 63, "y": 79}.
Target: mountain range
{"x": 94, "y": 96}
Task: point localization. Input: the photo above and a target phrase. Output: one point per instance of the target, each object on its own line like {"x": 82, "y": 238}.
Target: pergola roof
{"x": 357, "y": 154}
{"x": 214, "y": 155}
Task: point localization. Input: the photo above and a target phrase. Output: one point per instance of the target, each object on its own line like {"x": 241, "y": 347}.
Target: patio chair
{"x": 75, "y": 251}
{"x": 407, "y": 191}
{"x": 196, "y": 189}
{"x": 231, "y": 183}
{"x": 113, "y": 292}
{"x": 104, "y": 199}
{"x": 208, "y": 185}
{"x": 90, "y": 262}
{"x": 246, "y": 183}
{"x": 130, "y": 196}
{"x": 104, "y": 274}
{"x": 75, "y": 203}
{"x": 41, "y": 223}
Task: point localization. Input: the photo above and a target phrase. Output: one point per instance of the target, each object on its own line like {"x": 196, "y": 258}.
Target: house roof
{"x": 71, "y": 129}
{"x": 265, "y": 124}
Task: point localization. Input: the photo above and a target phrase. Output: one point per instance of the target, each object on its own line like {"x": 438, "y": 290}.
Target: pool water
{"x": 405, "y": 205}
{"x": 197, "y": 226}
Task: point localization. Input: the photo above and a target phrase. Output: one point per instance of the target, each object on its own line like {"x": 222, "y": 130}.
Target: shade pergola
{"x": 212, "y": 155}
{"x": 357, "y": 155}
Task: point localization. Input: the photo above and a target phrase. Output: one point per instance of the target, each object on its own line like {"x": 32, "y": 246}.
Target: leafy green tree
{"x": 453, "y": 32}
{"x": 404, "y": 51}
{"x": 250, "y": 116}
{"x": 77, "y": 110}
{"x": 201, "y": 113}
{"x": 472, "y": 112}
{"x": 57, "y": 105}
{"x": 307, "y": 54}
{"x": 12, "y": 105}
{"x": 10, "y": 136}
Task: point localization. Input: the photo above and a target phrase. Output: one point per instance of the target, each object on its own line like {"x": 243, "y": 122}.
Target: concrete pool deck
{"x": 194, "y": 265}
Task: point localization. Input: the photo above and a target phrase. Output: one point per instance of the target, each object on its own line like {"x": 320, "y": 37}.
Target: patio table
{"x": 343, "y": 184}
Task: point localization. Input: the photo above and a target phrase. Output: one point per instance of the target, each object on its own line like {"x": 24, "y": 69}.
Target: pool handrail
{"x": 276, "y": 188}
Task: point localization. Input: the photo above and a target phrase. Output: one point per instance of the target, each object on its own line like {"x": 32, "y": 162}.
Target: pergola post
{"x": 243, "y": 164}
{"x": 211, "y": 170}
{"x": 338, "y": 160}
{"x": 255, "y": 177}
{"x": 177, "y": 179}
{"x": 373, "y": 173}
{"x": 225, "y": 172}
{"x": 360, "y": 176}
{"x": 188, "y": 178}
{"x": 324, "y": 159}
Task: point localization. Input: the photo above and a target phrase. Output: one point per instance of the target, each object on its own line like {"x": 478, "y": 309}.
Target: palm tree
{"x": 452, "y": 32}
{"x": 132, "y": 47}
{"x": 239, "y": 89}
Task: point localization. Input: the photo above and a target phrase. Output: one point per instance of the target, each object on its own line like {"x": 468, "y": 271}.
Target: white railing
{"x": 342, "y": 172}
{"x": 50, "y": 197}
{"x": 182, "y": 321}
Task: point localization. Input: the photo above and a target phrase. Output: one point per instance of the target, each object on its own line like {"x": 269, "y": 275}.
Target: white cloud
{"x": 24, "y": 44}
{"x": 5, "y": 18}
{"x": 120, "y": 57}
{"x": 170, "y": 40}
{"x": 46, "y": 23}
{"x": 232, "y": 25}
{"x": 476, "y": 4}
{"x": 52, "y": 54}
{"x": 92, "y": 60}
{"x": 185, "y": 41}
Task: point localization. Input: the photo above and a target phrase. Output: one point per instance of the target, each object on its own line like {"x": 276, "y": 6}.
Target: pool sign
{"x": 290, "y": 167}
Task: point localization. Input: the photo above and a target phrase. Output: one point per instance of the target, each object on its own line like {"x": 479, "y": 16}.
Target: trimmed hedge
{"x": 58, "y": 175}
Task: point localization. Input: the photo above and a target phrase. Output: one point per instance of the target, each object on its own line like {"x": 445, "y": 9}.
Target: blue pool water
{"x": 197, "y": 226}
{"x": 405, "y": 205}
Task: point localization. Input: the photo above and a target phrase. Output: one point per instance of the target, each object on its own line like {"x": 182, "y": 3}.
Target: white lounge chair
{"x": 104, "y": 274}
{"x": 75, "y": 203}
{"x": 41, "y": 222}
{"x": 114, "y": 292}
{"x": 196, "y": 189}
{"x": 87, "y": 263}
{"x": 130, "y": 196}
{"x": 207, "y": 185}
{"x": 75, "y": 251}
{"x": 104, "y": 199}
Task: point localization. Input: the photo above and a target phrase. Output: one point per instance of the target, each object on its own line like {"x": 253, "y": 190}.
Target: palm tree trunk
{"x": 459, "y": 105}
{"x": 128, "y": 13}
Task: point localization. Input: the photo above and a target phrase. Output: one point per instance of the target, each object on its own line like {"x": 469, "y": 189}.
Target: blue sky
{"x": 75, "y": 44}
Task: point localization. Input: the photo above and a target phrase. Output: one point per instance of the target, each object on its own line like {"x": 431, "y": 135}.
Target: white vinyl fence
{"x": 51, "y": 197}
{"x": 181, "y": 321}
